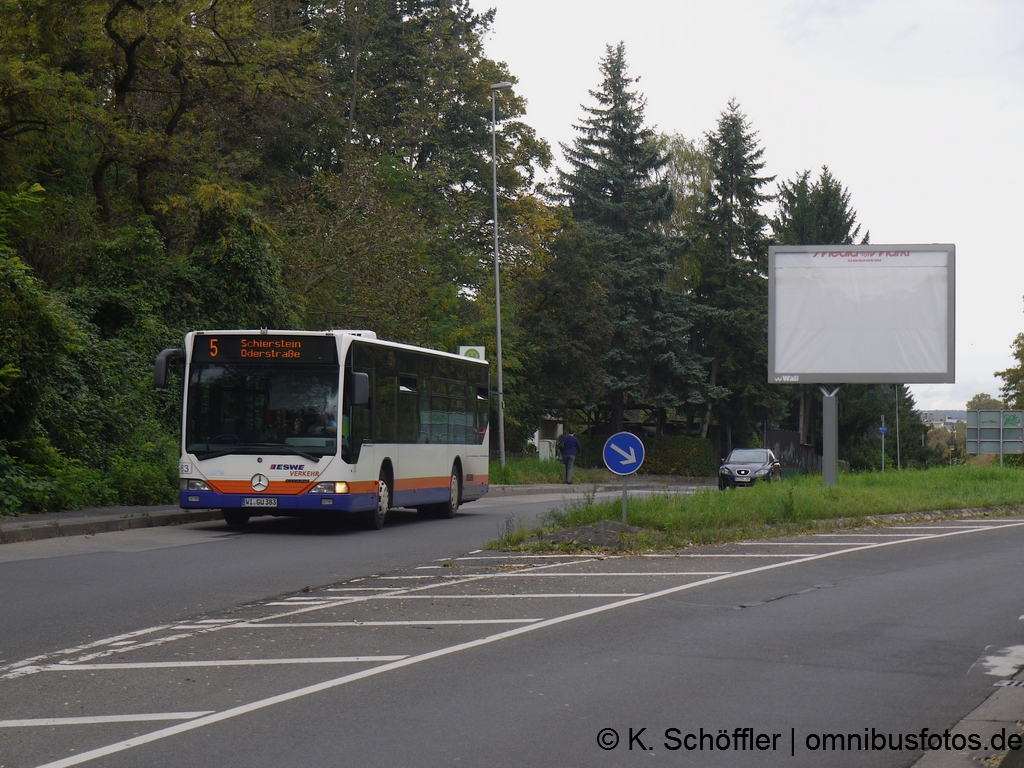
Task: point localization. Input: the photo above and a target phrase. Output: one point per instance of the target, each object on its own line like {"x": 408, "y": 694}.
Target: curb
{"x": 87, "y": 522}
{"x": 51, "y": 526}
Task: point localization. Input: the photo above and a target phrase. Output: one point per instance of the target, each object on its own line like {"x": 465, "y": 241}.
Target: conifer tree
{"x": 732, "y": 253}
{"x": 613, "y": 193}
{"x": 815, "y": 214}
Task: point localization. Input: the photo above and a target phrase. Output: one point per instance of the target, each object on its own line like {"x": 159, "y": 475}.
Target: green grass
{"x": 795, "y": 505}
{"x": 524, "y": 471}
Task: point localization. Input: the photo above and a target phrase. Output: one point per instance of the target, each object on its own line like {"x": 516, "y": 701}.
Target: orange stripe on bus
{"x": 276, "y": 487}
{"x": 363, "y": 486}
{"x": 420, "y": 483}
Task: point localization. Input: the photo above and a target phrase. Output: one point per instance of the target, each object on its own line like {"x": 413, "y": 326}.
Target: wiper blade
{"x": 285, "y": 448}
{"x": 214, "y": 455}
{"x": 246, "y": 449}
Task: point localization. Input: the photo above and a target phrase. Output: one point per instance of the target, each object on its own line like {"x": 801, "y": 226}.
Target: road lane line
{"x": 218, "y": 663}
{"x": 98, "y": 719}
{"x": 519, "y": 595}
{"x": 395, "y": 623}
{"x": 326, "y": 685}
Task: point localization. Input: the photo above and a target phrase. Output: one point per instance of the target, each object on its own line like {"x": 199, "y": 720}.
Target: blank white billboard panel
{"x": 860, "y": 314}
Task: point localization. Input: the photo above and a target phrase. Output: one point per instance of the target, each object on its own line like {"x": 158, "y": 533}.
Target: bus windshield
{"x": 258, "y": 408}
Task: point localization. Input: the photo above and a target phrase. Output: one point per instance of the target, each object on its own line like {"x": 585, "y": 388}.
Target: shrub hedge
{"x": 670, "y": 455}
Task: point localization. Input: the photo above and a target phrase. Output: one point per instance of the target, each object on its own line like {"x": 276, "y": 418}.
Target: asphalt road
{"x": 199, "y": 646}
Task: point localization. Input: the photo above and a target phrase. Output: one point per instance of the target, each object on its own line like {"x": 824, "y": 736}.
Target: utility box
{"x": 546, "y": 450}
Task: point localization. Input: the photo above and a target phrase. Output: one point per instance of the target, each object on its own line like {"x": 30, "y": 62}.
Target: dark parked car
{"x": 745, "y": 466}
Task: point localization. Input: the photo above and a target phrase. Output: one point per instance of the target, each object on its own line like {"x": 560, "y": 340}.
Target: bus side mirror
{"x": 360, "y": 388}
{"x": 160, "y": 367}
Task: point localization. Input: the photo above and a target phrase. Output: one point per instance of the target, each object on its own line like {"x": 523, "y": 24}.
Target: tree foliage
{"x": 612, "y": 190}
{"x": 169, "y": 165}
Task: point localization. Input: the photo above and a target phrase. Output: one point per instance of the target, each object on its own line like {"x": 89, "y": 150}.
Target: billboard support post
{"x": 830, "y": 436}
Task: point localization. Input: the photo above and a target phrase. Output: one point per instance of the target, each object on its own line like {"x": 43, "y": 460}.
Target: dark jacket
{"x": 571, "y": 446}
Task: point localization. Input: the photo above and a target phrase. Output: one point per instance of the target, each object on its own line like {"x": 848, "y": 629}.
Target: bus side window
{"x": 408, "y": 409}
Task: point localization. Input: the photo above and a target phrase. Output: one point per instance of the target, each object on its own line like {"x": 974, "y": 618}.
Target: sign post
{"x": 882, "y": 430}
{"x": 623, "y": 455}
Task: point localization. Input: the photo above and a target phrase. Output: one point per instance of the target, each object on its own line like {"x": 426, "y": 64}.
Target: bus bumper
{"x": 271, "y": 505}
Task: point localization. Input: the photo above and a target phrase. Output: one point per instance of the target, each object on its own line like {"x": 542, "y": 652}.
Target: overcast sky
{"x": 916, "y": 106}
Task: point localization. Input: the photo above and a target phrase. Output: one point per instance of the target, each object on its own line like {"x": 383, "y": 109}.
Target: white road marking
{"x": 298, "y": 693}
{"x": 217, "y": 663}
{"x": 548, "y": 575}
{"x": 361, "y": 589}
{"x": 97, "y": 719}
{"x": 821, "y": 543}
{"x": 396, "y": 623}
{"x": 519, "y": 596}
{"x": 868, "y": 535}
{"x": 1004, "y": 663}
{"x": 745, "y": 554}
{"x": 526, "y": 557}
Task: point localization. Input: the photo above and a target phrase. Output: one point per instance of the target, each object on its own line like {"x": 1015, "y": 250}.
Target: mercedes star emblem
{"x": 260, "y": 482}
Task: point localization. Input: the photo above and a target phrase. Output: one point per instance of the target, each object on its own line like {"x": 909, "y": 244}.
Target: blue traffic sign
{"x": 882, "y": 430}
{"x": 623, "y": 453}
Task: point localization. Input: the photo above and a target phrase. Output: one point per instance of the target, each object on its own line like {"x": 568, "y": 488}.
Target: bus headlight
{"x": 193, "y": 485}
{"x": 329, "y": 488}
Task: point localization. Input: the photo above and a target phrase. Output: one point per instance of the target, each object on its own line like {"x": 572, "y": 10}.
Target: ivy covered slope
{"x": 179, "y": 165}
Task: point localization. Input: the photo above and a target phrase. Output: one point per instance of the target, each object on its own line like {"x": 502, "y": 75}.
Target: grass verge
{"x": 797, "y": 505}
{"x": 528, "y": 471}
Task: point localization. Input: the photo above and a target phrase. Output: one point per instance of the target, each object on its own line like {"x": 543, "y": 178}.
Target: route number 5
{"x": 213, "y": 348}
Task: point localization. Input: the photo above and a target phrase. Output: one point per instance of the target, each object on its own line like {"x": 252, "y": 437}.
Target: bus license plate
{"x": 260, "y": 501}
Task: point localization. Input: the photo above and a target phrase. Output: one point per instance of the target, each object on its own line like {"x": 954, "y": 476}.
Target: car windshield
{"x": 749, "y": 456}
{"x": 256, "y": 408}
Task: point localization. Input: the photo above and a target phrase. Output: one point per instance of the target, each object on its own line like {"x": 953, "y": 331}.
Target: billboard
{"x": 861, "y": 314}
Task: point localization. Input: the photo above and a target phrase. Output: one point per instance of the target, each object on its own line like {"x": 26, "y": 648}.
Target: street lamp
{"x": 497, "y": 287}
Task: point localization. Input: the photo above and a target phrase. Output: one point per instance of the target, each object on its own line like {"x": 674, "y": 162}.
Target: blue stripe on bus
{"x": 309, "y": 502}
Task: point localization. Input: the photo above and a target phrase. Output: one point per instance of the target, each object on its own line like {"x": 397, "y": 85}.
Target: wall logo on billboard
{"x": 787, "y": 378}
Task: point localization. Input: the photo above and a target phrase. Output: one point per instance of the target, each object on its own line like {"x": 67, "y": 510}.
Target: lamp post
{"x": 497, "y": 286}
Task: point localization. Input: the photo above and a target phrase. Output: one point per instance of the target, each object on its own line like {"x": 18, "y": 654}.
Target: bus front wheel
{"x": 235, "y": 518}
{"x": 375, "y": 517}
{"x": 449, "y": 508}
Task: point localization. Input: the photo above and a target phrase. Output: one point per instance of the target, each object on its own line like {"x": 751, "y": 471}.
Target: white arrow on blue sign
{"x": 623, "y": 453}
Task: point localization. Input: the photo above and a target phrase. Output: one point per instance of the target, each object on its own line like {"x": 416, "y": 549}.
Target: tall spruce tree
{"x": 817, "y": 213}
{"x": 732, "y": 254}
{"x": 613, "y": 193}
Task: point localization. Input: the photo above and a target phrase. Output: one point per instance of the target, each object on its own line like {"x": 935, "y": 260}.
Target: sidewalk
{"x": 85, "y": 522}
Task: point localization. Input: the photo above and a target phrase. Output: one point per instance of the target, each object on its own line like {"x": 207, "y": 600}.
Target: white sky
{"x": 916, "y": 106}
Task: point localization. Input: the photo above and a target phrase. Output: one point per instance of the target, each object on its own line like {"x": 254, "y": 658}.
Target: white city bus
{"x": 293, "y": 422}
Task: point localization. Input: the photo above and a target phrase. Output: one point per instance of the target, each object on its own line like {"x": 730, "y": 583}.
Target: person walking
{"x": 571, "y": 448}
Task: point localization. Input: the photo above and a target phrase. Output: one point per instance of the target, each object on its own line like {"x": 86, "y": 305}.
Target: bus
{"x": 329, "y": 422}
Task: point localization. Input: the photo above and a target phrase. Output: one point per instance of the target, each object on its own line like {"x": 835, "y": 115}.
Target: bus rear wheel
{"x": 235, "y": 518}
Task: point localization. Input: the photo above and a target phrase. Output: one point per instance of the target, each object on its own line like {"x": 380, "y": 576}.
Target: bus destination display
{"x": 264, "y": 349}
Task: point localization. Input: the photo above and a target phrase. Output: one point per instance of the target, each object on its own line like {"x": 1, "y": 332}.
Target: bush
{"x": 686, "y": 456}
